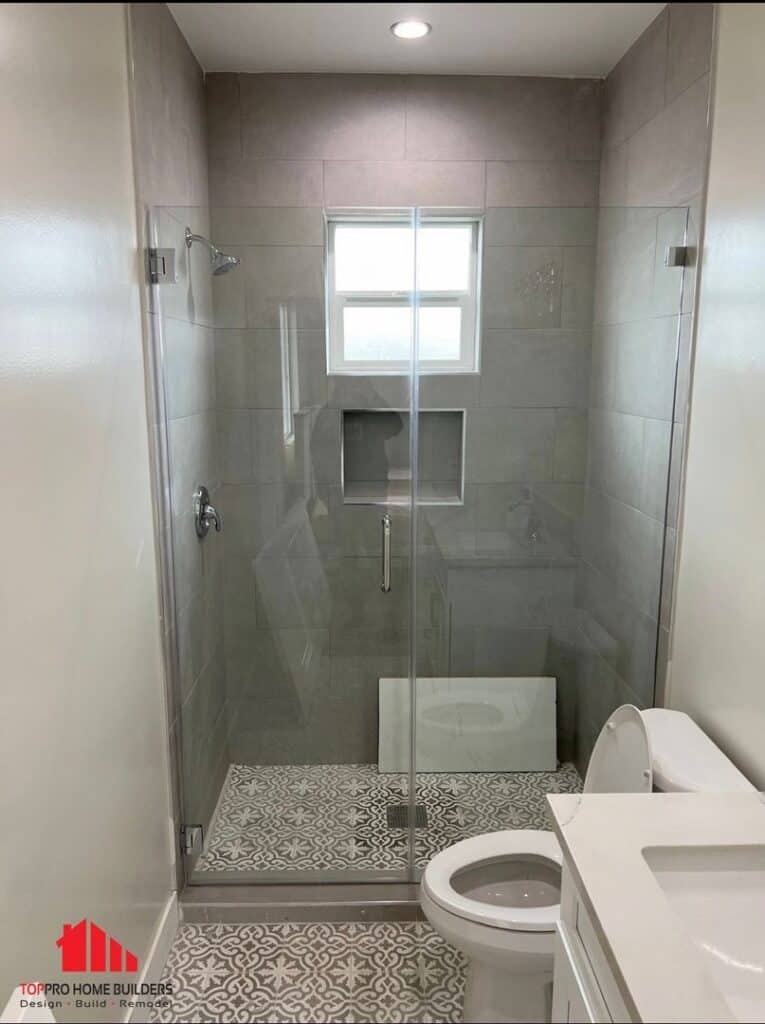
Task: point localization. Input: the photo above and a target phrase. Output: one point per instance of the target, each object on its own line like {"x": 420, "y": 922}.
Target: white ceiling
{"x": 467, "y": 39}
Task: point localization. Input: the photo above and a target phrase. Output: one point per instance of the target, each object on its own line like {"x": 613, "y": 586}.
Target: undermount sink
{"x": 718, "y": 892}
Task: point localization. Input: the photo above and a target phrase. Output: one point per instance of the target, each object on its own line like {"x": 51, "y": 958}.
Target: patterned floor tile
{"x": 334, "y": 817}
{"x": 344, "y": 972}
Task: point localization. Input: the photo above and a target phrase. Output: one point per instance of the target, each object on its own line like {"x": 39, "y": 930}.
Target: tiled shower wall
{"x": 170, "y": 154}
{"x": 307, "y": 631}
{"x": 654, "y": 146}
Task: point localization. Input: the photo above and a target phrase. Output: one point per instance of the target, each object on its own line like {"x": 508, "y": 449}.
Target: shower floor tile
{"x": 313, "y": 972}
{"x": 334, "y": 817}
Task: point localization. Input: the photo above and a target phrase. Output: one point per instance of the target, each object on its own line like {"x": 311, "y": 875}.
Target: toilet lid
{"x": 621, "y": 758}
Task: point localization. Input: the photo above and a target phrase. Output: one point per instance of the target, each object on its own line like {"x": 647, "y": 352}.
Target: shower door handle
{"x": 386, "y": 528}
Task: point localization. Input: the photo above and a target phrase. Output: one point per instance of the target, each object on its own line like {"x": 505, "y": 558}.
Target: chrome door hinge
{"x": 162, "y": 266}
{"x": 191, "y": 839}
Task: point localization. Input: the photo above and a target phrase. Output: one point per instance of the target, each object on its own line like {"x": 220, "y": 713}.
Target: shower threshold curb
{"x": 243, "y": 904}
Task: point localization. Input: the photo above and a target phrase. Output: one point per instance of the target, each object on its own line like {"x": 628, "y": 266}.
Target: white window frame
{"x": 468, "y": 301}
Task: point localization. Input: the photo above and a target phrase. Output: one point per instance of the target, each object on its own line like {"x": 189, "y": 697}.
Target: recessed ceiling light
{"x": 410, "y": 29}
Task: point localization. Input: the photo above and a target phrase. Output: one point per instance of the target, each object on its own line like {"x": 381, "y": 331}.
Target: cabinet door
{"x": 576, "y": 997}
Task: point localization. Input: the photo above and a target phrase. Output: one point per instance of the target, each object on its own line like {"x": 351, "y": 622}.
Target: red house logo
{"x": 106, "y": 954}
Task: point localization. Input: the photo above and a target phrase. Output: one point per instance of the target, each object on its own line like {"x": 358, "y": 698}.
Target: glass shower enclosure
{"x": 436, "y": 447}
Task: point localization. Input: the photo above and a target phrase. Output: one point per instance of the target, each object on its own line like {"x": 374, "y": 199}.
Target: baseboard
{"x": 154, "y": 964}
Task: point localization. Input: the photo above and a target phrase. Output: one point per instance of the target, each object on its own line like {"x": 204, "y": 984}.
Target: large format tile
{"x": 250, "y": 369}
{"x": 522, "y": 286}
{"x": 634, "y": 367}
{"x": 615, "y": 455}
{"x": 266, "y": 225}
{"x": 284, "y": 284}
{"x": 491, "y": 651}
{"x": 634, "y": 91}
{"x": 555, "y": 225}
{"x": 240, "y": 181}
{"x": 566, "y": 183}
{"x": 585, "y": 119}
{"x": 626, "y": 546}
{"x": 509, "y": 445}
{"x": 224, "y": 130}
{"x": 666, "y": 158}
{"x": 623, "y": 636}
{"x": 535, "y": 368}
{"x": 387, "y": 182}
{"x": 570, "y": 454}
{"x": 188, "y": 366}
{"x": 324, "y": 117}
{"x": 469, "y": 118}
{"x": 690, "y": 45}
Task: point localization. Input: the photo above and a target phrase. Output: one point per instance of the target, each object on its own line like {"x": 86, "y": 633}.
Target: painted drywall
{"x": 717, "y": 643}
{"x": 84, "y": 804}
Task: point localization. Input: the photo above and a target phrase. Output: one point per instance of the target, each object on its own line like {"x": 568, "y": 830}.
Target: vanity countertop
{"x": 659, "y": 969}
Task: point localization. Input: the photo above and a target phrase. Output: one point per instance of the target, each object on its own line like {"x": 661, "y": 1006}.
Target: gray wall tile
{"x": 542, "y": 183}
{"x": 257, "y": 182}
{"x": 267, "y": 225}
{"x": 634, "y": 91}
{"x": 324, "y": 117}
{"x": 539, "y": 226}
{"x": 690, "y": 45}
{"x": 467, "y": 118}
{"x": 666, "y": 158}
{"x": 387, "y": 182}
{"x": 284, "y": 277}
{"x": 535, "y": 368}
{"x": 505, "y": 445}
{"x": 522, "y": 286}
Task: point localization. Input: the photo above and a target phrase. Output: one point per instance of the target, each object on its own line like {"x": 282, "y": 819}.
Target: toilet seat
{"x": 493, "y": 846}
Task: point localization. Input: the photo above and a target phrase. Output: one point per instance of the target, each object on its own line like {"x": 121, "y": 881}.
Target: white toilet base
{"x": 493, "y": 995}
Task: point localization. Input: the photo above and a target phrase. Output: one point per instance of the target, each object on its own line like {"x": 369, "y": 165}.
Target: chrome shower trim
{"x": 220, "y": 262}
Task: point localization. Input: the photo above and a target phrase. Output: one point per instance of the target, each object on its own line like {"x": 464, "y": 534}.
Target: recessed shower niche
{"x": 376, "y": 460}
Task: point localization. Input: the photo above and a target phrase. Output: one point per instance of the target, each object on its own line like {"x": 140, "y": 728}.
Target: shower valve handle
{"x": 205, "y": 514}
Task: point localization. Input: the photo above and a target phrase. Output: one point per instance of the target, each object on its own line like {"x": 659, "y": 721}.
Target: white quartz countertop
{"x": 661, "y": 973}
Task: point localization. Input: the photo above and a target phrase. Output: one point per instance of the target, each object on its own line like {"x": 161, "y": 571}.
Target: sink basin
{"x": 718, "y": 892}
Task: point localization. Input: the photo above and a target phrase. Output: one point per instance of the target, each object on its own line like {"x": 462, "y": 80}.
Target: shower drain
{"x": 398, "y": 816}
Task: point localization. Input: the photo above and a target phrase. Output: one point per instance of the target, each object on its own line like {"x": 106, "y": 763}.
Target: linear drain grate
{"x": 398, "y": 816}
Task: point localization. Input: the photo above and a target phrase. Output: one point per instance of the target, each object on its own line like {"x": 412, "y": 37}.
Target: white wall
{"x": 718, "y": 646}
{"x": 84, "y": 805}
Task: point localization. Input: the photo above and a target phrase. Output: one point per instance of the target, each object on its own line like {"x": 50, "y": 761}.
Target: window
{"x": 370, "y": 285}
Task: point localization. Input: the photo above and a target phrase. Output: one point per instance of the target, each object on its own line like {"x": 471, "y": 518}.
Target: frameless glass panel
{"x": 538, "y": 593}
{"x": 288, "y": 646}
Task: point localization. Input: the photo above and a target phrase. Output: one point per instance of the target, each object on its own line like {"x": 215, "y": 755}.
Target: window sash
{"x": 467, "y": 301}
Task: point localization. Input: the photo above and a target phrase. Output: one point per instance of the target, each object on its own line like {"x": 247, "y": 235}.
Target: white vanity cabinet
{"x": 584, "y": 988}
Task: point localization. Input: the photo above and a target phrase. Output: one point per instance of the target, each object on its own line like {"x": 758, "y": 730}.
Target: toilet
{"x": 496, "y": 897}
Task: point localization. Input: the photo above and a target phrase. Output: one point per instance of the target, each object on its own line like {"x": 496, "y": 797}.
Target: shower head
{"x": 220, "y": 262}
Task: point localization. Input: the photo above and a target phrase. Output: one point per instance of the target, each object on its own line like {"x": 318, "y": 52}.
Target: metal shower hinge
{"x": 162, "y": 266}
{"x": 191, "y": 839}
{"x": 676, "y": 256}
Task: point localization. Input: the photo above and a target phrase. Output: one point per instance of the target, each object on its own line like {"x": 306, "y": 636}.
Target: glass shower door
{"x": 288, "y": 395}
{"x": 537, "y": 604}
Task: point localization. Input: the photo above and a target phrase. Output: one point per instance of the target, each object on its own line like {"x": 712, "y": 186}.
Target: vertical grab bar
{"x": 386, "y": 578}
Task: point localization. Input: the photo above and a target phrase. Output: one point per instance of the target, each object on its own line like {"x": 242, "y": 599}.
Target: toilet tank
{"x": 684, "y": 758}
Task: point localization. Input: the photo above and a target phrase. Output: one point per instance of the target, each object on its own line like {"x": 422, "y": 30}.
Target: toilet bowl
{"x": 496, "y": 897}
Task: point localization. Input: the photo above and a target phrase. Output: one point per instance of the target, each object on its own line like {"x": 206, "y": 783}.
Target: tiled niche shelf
{"x": 376, "y": 463}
